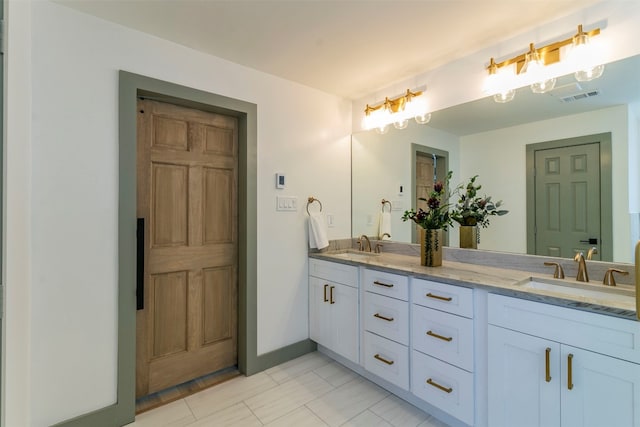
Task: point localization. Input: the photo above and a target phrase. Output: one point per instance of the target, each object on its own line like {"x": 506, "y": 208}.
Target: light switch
{"x": 286, "y": 203}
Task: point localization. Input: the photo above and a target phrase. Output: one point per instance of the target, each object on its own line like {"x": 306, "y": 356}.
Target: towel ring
{"x": 311, "y": 200}
{"x": 384, "y": 202}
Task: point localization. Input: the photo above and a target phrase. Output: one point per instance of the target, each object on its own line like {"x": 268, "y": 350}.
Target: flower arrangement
{"x": 472, "y": 209}
{"x": 437, "y": 216}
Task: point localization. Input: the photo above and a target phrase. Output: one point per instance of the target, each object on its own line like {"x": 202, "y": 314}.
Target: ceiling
{"x": 346, "y": 47}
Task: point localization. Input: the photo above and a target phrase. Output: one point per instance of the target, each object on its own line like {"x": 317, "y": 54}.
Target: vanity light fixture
{"x": 539, "y": 67}
{"x": 397, "y": 112}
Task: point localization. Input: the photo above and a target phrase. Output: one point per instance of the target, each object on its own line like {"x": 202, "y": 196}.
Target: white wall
{"x": 480, "y": 153}
{"x": 70, "y": 317}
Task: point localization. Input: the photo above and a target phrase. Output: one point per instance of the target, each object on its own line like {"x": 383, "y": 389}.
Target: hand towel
{"x": 317, "y": 231}
{"x": 385, "y": 225}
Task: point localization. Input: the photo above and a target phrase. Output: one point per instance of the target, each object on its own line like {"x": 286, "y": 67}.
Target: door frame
{"x": 423, "y": 149}
{"x": 249, "y": 362}
{"x": 606, "y": 210}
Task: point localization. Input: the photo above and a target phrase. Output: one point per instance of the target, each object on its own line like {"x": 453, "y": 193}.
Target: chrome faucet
{"x": 582, "y": 276}
{"x": 361, "y": 243}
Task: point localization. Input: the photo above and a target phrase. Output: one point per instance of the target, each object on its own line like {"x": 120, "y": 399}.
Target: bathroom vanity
{"x": 480, "y": 346}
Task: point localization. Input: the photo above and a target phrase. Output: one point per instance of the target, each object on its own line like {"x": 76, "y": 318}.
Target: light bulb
{"x": 589, "y": 74}
{"x": 401, "y": 124}
{"x": 505, "y": 96}
{"x": 423, "y": 118}
{"x": 381, "y": 130}
{"x": 534, "y": 68}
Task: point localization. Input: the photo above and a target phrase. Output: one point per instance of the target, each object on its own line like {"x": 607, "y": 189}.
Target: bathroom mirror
{"x": 490, "y": 140}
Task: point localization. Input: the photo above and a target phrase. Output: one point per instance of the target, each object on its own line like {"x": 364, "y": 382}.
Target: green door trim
{"x": 606, "y": 203}
{"x": 132, "y": 86}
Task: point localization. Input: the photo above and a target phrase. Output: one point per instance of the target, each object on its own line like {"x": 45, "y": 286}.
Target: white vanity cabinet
{"x": 443, "y": 347}
{"x": 334, "y": 307}
{"x": 386, "y": 326}
{"x": 554, "y": 366}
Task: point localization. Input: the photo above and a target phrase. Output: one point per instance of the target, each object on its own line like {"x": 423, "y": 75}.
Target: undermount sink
{"x": 573, "y": 289}
{"x": 354, "y": 254}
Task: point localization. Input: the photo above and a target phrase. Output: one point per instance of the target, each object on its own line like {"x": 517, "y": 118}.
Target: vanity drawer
{"x": 334, "y": 272}
{"x": 389, "y": 284}
{"x": 386, "y": 316}
{"x": 442, "y": 385}
{"x": 441, "y": 296}
{"x": 445, "y": 336}
{"x": 387, "y": 359}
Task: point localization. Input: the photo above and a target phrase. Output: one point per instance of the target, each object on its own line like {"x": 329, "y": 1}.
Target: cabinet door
{"x": 604, "y": 391}
{"x": 319, "y": 318}
{"x": 520, "y": 391}
{"x": 343, "y": 315}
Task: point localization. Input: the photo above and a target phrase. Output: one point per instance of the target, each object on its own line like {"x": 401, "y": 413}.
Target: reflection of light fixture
{"x": 533, "y": 68}
{"x": 397, "y": 111}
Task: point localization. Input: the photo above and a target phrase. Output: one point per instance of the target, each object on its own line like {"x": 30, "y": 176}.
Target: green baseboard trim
{"x": 281, "y": 355}
{"x": 109, "y": 416}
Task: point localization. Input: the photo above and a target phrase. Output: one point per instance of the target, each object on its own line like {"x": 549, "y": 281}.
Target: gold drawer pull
{"x": 325, "y": 292}
{"x": 547, "y": 374}
{"x": 379, "y": 316}
{"x": 383, "y": 360}
{"x": 386, "y": 285}
{"x": 438, "y": 386}
{"x": 440, "y": 337}
{"x": 331, "y": 300}
{"x": 430, "y": 295}
{"x": 569, "y": 371}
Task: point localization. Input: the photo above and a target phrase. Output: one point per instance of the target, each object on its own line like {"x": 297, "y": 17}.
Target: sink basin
{"x": 583, "y": 291}
{"x": 354, "y": 254}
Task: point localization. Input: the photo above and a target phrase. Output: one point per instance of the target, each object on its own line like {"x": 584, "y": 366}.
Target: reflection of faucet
{"x": 361, "y": 243}
{"x": 385, "y": 234}
{"x": 591, "y": 251}
{"x": 582, "y": 268}
{"x": 609, "y": 280}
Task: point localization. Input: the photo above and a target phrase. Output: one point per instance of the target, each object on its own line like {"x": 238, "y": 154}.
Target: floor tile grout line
{"x": 235, "y": 402}
{"x": 253, "y": 413}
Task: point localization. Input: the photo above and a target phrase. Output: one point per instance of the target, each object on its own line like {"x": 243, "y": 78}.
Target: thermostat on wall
{"x": 280, "y": 180}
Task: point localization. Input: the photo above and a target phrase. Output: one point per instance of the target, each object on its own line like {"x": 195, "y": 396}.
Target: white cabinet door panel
{"x": 605, "y": 391}
{"x": 520, "y": 391}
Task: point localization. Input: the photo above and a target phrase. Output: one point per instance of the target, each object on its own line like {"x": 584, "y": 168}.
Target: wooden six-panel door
{"x": 187, "y": 194}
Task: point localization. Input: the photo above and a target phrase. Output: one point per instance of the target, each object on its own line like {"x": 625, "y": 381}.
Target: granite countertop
{"x": 595, "y": 297}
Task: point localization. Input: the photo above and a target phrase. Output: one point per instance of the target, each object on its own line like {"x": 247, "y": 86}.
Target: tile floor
{"x": 309, "y": 391}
